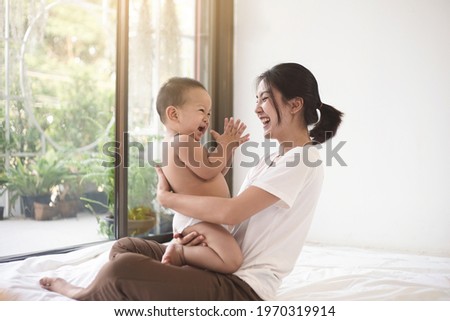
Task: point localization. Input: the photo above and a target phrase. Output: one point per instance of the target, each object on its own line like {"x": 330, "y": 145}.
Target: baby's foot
{"x": 60, "y": 286}
{"x": 174, "y": 255}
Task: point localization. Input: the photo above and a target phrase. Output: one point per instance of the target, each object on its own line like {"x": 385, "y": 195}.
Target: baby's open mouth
{"x": 202, "y": 129}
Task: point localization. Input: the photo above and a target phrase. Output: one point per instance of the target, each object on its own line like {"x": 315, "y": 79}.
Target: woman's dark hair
{"x": 293, "y": 80}
{"x": 172, "y": 93}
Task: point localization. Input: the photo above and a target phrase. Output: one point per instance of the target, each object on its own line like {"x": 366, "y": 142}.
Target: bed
{"x": 325, "y": 273}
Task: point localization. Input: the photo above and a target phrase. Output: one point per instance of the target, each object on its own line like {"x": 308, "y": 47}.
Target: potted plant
{"x": 68, "y": 202}
{"x": 100, "y": 179}
{"x": 69, "y": 192}
{"x": 96, "y": 184}
{"x": 33, "y": 181}
{"x": 141, "y": 209}
{"x": 140, "y": 221}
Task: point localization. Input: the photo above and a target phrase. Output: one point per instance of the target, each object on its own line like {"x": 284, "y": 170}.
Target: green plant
{"x": 106, "y": 227}
{"x": 140, "y": 213}
{"x": 142, "y": 183}
{"x": 141, "y": 196}
{"x": 71, "y": 187}
{"x": 3, "y": 182}
{"x": 35, "y": 177}
{"x": 140, "y": 220}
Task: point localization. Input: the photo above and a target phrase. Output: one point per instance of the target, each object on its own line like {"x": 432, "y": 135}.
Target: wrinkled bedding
{"x": 326, "y": 273}
{"x": 343, "y": 273}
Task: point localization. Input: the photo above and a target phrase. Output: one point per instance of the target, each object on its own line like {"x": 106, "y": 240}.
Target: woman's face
{"x": 266, "y": 112}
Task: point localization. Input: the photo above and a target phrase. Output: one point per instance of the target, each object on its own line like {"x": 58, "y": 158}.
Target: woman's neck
{"x": 299, "y": 139}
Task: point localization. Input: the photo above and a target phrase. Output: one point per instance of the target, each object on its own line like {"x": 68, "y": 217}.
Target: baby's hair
{"x": 293, "y": 80}
{"x": 172, "y": 93}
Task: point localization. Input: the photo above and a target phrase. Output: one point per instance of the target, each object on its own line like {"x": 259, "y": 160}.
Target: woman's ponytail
{"x": 330, "y": 119}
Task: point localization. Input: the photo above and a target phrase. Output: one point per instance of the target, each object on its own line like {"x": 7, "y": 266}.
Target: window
{"x": 78, "y": 88}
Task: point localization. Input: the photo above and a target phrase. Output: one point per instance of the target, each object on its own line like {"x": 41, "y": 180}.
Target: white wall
{"x": 386, "y": 64}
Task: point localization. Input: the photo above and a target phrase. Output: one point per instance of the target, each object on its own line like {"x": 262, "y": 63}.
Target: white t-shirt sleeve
{"x": 284, "y": 179}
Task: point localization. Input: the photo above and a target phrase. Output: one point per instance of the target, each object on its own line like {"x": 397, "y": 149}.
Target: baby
{"x": 184, "y": 107}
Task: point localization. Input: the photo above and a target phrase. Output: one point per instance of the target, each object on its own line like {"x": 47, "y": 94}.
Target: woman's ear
{"x": 296, "y": 104}
{"x": 172, "y": 113}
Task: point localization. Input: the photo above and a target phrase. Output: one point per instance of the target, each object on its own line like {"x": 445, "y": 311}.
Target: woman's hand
{"x": 163, "y": 187}
{"x": 190, "y": 239}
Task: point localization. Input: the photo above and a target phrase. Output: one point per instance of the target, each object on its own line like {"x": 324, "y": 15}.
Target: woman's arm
{"x": 217, "y": 210}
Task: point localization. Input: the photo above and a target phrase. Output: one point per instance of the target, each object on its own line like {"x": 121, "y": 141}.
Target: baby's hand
{"x": 232, "y": 134}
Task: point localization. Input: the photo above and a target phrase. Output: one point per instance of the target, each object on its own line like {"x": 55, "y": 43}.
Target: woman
{"x": 272, "y": 213}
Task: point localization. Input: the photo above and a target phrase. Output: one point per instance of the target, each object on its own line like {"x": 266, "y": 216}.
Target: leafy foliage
{"x": 35, "y": 176}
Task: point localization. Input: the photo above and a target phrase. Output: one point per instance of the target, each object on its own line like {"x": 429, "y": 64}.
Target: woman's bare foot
{"x": 174, "y": 255}
{"x": 60, "y": 286}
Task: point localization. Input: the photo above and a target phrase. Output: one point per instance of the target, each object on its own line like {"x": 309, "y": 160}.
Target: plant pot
{"x": 135, "y": 227}
{"x": 141, "y": 227}
{"x": 100, "y": 197}
{"x": 68, "y": 208}
{"x": 43, "y": 212}
{"x": 106, "y": 226}
{"x": 28, "y": 203}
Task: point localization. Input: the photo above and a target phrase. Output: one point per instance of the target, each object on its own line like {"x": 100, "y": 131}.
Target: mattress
{"x": 322, "y": 273}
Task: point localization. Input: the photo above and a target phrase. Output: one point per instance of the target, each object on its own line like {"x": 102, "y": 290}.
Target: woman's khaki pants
{"x": 134, "y": 272}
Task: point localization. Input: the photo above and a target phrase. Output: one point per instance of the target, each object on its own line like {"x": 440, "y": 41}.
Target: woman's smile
{"x": 265, "y": 122}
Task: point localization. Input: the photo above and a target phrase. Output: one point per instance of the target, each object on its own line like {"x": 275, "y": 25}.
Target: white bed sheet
{"x": 344, "y": 273}
{"x": 324, "y": 273}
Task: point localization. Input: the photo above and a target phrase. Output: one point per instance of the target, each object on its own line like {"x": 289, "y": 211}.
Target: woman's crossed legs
{"x": 135, "y": 272}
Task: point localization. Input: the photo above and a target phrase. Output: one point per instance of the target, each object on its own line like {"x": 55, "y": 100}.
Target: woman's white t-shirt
{"x": 272, "y": 239}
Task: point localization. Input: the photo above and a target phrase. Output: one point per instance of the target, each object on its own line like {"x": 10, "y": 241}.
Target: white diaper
{"x": 180, "y": 222}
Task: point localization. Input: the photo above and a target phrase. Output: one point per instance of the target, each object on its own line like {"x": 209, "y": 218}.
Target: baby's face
{"x": 195, "y": 113}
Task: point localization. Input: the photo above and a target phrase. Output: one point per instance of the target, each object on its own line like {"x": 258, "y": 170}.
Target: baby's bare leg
{"x": 221, "y": 255}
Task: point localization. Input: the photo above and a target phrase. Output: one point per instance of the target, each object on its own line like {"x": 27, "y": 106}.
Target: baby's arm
{"x": 208, "y": 165}
{"x": 228, "y": 141}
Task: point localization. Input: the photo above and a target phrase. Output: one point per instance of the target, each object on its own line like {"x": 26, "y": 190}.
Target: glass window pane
{"x": 57, "y": 113}
{"x": 58, "y": 89}
{"x": 162, "y": 44}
